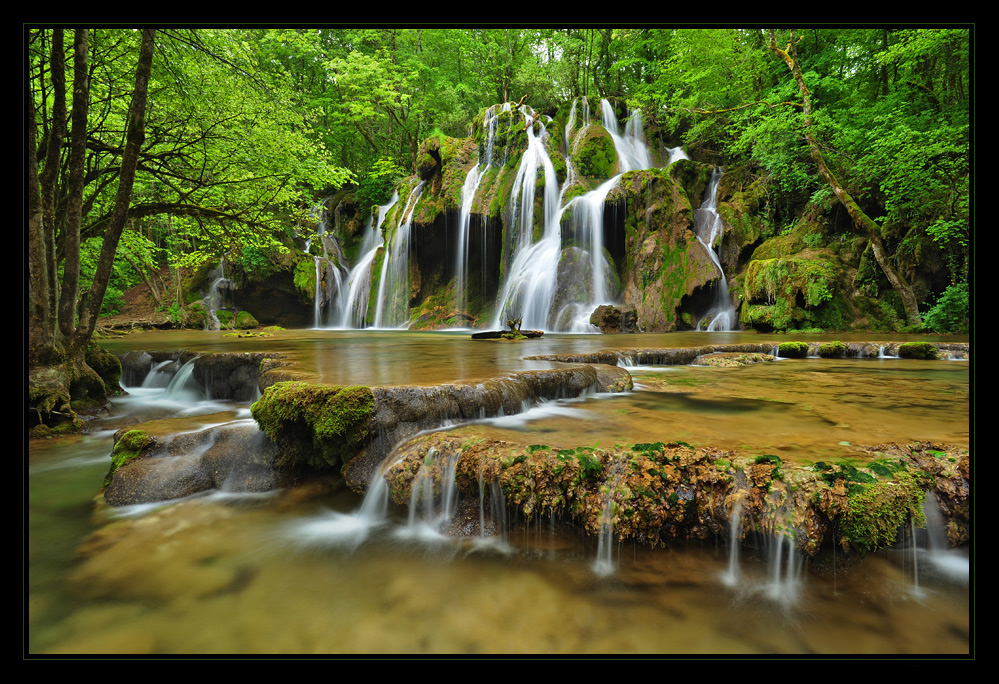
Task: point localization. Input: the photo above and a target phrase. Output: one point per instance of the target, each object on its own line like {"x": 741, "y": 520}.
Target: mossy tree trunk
{"x": 60, "y": 329}
{"x": 860, "y": 219}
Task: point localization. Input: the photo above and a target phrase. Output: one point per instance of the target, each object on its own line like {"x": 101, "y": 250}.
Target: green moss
{"x": 832, "y": 350}
{"x": 792, "y": 288}
{"x": 875, "y": 512}
{"x": 322, "y": 425}
{"x": 245, "y": 321}
{"x": 792, "y": 350}
{"x": 129, "y": 446}
{"x": 917, "y": 350}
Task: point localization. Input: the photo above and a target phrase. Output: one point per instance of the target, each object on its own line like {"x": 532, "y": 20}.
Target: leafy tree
{"x": 214, "y": 162}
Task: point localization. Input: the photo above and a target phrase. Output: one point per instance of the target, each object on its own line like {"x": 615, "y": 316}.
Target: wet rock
{"x": 232, "y": 376}
{"x": 611, "y": 319}
{"x": 233, "y": 458}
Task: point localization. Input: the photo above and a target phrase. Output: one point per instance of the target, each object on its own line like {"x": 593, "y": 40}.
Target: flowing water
{"x": 321, "y": 570}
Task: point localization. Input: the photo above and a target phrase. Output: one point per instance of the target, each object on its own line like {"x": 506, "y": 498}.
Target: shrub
{"x": 951, "y": 312}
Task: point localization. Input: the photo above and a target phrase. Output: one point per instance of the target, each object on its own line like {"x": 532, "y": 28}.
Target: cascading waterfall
{"x": 490, "y": 124}
{"x": 433, "y": 496}
{"x": 785, "y": 568}
{"x": 604, "y": 565}
{"x": 393, "y": 288}
{"x": 352, "y": 304}
{"x": 531, "y": 285}
{"x": 217, "y": 298}
{"x": 330, "y": 275}
{"x": 708, "y": 226}
{"x": 730, "y": 578}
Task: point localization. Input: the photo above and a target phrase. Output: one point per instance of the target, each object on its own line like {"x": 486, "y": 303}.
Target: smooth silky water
{"x": 243, "y": 574}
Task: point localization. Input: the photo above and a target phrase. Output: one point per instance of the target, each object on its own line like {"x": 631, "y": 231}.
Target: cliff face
{"x": 547, "y": 219}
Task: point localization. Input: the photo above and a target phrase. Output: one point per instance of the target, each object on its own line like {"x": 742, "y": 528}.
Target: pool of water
{"x": 223, "y": 574}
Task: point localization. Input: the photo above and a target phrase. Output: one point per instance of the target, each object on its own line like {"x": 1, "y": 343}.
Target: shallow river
{"x": 224, "y": 574}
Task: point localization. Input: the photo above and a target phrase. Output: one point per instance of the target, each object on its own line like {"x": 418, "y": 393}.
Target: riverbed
{"x": 244, "y": 574}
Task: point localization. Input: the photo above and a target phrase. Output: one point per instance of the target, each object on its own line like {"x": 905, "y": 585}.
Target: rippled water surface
{"x": 223, "y": 574}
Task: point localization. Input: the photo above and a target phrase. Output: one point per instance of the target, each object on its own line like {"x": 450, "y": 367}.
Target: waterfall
{"x": 730, "y": 578}
{"x": 433, "y": 497}
{"x": 632, "y": 153}
{"x": 330, "y": 271}
{"x": 708, "y": 226}
{"x": 604, "y": 565}
{"x": 218, "y": 298}
{"x": 531, "y": 288}
{"x": 785, "y": 573}
{"x": 352, "y": 305}
{"x": 530, "y": 284}
{"x": 393, "y": 288}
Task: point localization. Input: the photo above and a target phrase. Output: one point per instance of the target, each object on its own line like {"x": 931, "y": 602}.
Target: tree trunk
{"x": 57, "y": 367}
{"x": 74, "y": 203}
{"x": 126, "y": 178}
{"x": 860, "y": 219}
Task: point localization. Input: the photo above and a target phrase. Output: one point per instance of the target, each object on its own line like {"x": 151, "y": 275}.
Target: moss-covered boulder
{"x": 792, "y": 350}
{"x": 832, "y": 350}
{"x": 319, "y": 425}
{"x": 128, "y": 446}
{"x": 784, "y": 293}
{"x": 918, "y": 350}
{"x": 245, "y": 321}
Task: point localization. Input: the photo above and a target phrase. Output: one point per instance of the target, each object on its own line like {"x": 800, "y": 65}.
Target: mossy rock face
{"x": 792, "y": 350}
{"x": 225, "y": 317}
{"x": 595, "y": 155}
{"x": 876, "y": 511}
{"x": 783, "y": 293}
{"x": 917, "y": 350}
{"x": 664, "y": 261}
{"x": 321, "y": 425}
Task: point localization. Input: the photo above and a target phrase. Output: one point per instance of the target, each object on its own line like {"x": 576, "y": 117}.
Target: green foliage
{"x": 375, "y": 187}
{"x": 591, "y": 467}
{"x": 255, "y": 262}
{"x": 304, "y": 276}
{"x": 951, "y": 313}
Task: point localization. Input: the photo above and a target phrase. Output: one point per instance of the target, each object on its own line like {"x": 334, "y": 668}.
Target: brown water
{"x": 233, "y": 576}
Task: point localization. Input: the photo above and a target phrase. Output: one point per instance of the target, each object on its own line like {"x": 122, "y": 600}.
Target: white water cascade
{"x": 218, "y": 298}
{"x": 393, "y": 288}
{"x": 709, "y": 226}
{"x": 352, "y": 302}
{"x": 532, "y": 286}
{"x": 330, "y": 275}
{"x": 604, "y": 565}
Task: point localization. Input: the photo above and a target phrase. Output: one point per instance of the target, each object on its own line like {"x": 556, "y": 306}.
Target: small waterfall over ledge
{"x": 709, "y": 226}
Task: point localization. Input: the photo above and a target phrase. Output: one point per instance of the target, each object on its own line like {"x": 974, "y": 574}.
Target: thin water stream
{"x": 221, "y": 574}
